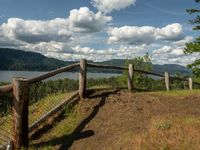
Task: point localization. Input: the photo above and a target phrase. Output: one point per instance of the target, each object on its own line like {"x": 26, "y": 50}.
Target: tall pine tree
{"x": 194, "y": 46}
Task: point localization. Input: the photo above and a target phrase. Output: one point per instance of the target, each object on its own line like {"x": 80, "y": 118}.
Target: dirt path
{"x": 121, "y": 120}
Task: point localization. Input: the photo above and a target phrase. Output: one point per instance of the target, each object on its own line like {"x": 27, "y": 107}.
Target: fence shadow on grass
{"x": 67, "y": 140}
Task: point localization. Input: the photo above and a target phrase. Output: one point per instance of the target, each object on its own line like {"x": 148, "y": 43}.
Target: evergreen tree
{"x": 194, "y": 46}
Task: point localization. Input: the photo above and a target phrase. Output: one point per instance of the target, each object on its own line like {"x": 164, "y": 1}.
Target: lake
{"x": 6, "y": 76}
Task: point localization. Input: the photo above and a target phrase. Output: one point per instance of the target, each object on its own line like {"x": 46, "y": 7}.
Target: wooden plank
{"x": 50, "y": 113}
{"x": 130, "y": 77}
{"x": 52, "y": 73}
{"x": 106, "y": 66}
{"x": 167, "y": 82}
{"x": 5, "y": 89}
{"x": 82, "y": 78}
{"x": 178, "y": 78}
{"x": 190, "y": 83}
{"x": 196, "y": 83}
{"x": 147, "y": 72}
{"x": 20, "y": 113}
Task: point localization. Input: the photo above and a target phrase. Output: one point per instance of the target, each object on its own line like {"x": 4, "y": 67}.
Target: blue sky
{"x": 98, "y": 30}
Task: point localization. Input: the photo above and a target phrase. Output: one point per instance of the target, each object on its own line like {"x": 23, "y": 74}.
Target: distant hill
{"x": 11, "y": 59}
{"x": 171, "y": 68}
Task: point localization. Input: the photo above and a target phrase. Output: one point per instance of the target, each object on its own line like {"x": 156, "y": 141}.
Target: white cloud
{"x": 34, "y": 31}
{"x": 18, "y": 31}
{"x": 70, "y": 38}
{"x": 145, "y": 35}
{"x": 131, "y": 35}
{"x": 174, "y": 53}
{"x": 107, "y": 6}
{"x": 59, "y": 36}
{"x": 173, "y": 32}
{"x": 84, "y": 20}
{"x": 121, "y": 52}
{"x": 183, "y": 41}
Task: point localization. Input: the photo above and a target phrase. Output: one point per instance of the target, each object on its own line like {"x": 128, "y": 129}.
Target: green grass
{"x": 62, "y": 129}
{"x": 176, "y": 93}
{"x": 36, "y": 111}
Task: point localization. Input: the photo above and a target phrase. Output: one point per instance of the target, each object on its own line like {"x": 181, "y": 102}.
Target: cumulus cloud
{"x": 57, "y": 37}
{"x": 70, "y": 38}
{"x": 19, "y": 31}
{"x": 84, "y": 20}
{"x": 173, "y": 32}
{"x": 78, "y": 52}
{"x": 131, "y": 35}
{"x": 145, "y": 34}
{"x": 121, "y": 52}
{"x": 34, "y": 31}
{"x": 106, "y": 6}
{"x": 173, "y": 53}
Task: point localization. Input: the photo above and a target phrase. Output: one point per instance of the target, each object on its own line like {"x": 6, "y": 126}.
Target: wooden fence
{"x": 20, "y": 87}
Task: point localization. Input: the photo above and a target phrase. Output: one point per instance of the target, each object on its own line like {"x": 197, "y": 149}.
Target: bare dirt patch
{"x": 134, "y": 121}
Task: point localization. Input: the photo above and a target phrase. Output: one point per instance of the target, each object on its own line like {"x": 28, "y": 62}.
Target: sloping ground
{"x": 123, "y": 120}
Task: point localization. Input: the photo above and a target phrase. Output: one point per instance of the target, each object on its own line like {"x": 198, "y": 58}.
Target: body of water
{"x": 6, "y": 76}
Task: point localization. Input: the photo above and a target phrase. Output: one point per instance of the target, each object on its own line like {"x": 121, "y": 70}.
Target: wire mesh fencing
{"x": 6, "y": 120}
{"x": 45, "y": 100}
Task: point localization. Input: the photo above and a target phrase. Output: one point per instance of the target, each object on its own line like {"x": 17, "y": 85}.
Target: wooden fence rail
{"x": 149, "y": 73}
{"x": 106, "y": 66}
{"x": 20, "y": 92}
{"x": 53, "y": 73}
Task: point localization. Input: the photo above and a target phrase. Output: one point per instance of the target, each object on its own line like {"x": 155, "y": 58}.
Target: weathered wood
{"x": 190, "y": 83}
{"x": 106, "y": 66}
{"x": 5, "y": 89}
{"x": 82, "y": 78}
{"x": 53, "y": 111}
{"x": 167, "y": 82}
{"x": 20, "y": 113}
{"x": 178, "y": 78}
{"x": 130, "y": 77}
{"x": 52, "y": 73}
{"x": 147, "y": 72}
{"x": 196, "y": 83}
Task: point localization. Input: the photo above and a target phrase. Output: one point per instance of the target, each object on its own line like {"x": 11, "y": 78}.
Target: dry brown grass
{"x": 166, "y": 133}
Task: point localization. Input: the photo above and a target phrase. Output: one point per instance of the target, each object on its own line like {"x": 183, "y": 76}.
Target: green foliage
{"x": 5, "y": 102}
{"x": 163, "y": 125}
{"x": 177, "y": 84}
{"x": 42, "y": 89}
{"x": 193, "y": 47}
{"x": 142, "y": 81}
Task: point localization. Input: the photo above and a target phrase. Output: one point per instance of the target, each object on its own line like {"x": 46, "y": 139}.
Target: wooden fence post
{"x": 82, "y": 78}
{"x": 130, "y": 77}
{"x": 167, "y": 82}
{"x": 20, "y": 113}
{"x": 190, "y": 83}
